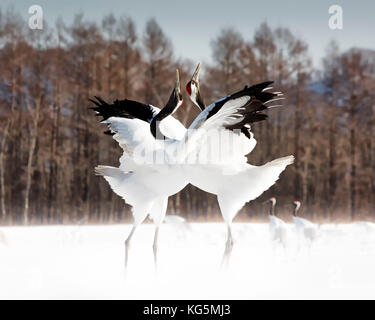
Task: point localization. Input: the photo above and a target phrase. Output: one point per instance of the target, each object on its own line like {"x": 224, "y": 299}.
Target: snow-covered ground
{"x": 87, "y": 262}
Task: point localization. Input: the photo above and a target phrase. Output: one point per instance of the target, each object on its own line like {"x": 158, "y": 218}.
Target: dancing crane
{"x": 228, "y": 175}
{"x": 147, "y": 175}
{"x": 304, "y": 227}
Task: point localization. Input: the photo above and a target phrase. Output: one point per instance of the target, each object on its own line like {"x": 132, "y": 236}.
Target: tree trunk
{"x": 2, "y": 151}
{"x": 352, "y": 160}
{"x": 29, "y": 170}
{"x": 297, "y": 126}
{"x": 2, "y": 168}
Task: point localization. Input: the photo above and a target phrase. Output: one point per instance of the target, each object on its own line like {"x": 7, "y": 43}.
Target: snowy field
{"x": 86, "y": 262}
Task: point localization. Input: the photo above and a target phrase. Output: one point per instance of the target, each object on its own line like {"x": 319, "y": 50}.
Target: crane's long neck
{"x": 155, "y": 125}
{"x": 193, "y": 89}
{"x": 173, "y": 104}
{"x": 295, "y": 211}
{"x": 197, "y": 100}
{"x": 272, "y": 209}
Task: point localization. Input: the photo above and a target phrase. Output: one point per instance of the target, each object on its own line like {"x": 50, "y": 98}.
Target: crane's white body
{"x": 143, "y": 183}
{"x": 215, "y": 163}
{"x": 148, "y": 173}
{"x": 236, "y": 184}
{"x": 305, "y": 229}
{"x": 278, "y": 230}
{"x": 302, "y": 223}
{"x": 227, "y": 173}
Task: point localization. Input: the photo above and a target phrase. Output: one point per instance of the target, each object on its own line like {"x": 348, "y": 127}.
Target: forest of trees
{"x": 50, "y": 141}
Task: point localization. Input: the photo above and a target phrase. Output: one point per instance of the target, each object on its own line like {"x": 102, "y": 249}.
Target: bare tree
{"x": 127, "y": 52}
{"x": 301, "y": 67}
{"x": 331, "y": 81}
{"x": 158, "y": 55}
{"x": 226, "y": 52}
{"x": 12, "y": 34}
{"x": 353, "y": 70}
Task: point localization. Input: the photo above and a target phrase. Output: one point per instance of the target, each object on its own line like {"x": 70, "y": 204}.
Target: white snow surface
{"x": 86, "y": 262}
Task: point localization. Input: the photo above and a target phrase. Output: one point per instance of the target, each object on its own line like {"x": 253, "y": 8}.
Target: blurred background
{"x": 50, "y": 141}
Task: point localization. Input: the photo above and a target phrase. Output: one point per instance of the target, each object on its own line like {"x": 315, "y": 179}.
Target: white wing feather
{"x": 134, "y": 137}
{"x": 196, "y": 136}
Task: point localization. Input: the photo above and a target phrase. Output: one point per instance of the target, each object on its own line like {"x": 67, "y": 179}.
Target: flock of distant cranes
{"x": 161, "y": 156}
{"x": 306, "y": 231}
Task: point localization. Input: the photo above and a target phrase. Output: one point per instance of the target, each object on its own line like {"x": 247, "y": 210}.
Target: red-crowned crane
{"x": 305, "y": 229}
{"x": 228, "y": 175}
{"x": 278, "y": 228}
{"x": 147, "y": 174}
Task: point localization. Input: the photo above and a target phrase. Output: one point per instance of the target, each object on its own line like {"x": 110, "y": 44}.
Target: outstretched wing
{"x": 129, "y": 124}
{"x": 236, "y": 111}
{"x": 128, "y": 109}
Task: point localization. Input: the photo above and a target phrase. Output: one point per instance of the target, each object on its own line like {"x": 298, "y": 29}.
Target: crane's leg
{"x": 139, "y": 213}
{"x": 127, "y": 245}
{"x": 228, "y": 247}
{"x": 157, "y": 214}
{"x": 228, "y": 211}
{"x": 155, "y": 246}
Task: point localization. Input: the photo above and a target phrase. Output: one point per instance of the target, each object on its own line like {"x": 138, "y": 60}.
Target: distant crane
{"x": 305, "y": 228}
{"x": 278, "y": 228}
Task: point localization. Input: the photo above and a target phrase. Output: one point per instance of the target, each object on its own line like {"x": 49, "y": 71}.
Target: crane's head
{"x": 192, "y": 88}
{"x": 175, "y": 99}
{"x": 296, "y": 204}
{"x": 174, "y": 102}
{"x": 272, "y": 200}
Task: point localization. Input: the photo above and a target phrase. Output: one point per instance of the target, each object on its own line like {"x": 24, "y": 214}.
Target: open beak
{"x": 177, "y": 84}
{"x": 195, "y": 79}
{"x": 177, "y": 87}
{"x": 196, "y": 74}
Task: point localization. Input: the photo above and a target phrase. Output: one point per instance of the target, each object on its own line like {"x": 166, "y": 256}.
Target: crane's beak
{"x": 196, "y": 73}
{"x": 197, "y": 97}
{"x": 177, "y": 86}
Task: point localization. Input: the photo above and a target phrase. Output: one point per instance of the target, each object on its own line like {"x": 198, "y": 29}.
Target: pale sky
{"x": 192, "y": 24}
